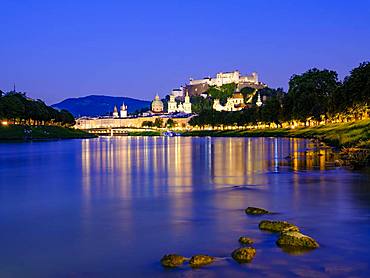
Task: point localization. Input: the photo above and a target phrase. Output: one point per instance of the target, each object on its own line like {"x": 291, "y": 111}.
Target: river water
{"x": 112, "y": 207}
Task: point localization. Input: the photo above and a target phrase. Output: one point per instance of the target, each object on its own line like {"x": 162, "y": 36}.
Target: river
{"x": 112, "y": 207}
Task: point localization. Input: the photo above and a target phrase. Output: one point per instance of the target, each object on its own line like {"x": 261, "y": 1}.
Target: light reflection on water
{"x": 111, "y": 207}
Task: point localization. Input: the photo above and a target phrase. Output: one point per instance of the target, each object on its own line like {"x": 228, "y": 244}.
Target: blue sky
{"x": 58, "y": 49}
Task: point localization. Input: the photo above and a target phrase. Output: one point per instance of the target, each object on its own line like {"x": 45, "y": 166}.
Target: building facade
{"x": 103, "y": 123}
{"x": 234, "y": 103}
{"x": 199, "y": 86}
{"x": 182, "y": 107}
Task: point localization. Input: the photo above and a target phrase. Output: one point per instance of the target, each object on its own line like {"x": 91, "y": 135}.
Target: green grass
{"x": 15, "y": 132}
{"x": 356, "y": 134}
{"x": 144, "y": 133}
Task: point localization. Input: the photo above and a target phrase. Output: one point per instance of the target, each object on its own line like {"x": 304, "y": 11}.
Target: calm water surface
{"x": 112, "y": 207}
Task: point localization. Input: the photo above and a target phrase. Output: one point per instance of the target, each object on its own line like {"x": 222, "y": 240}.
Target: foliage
{"x": 222, "y": 92}
{"x": 17, "y": 108}
{"x": 199, "y": 103}
{"x": 158, "y": 122}
{"x": 147, "y": 124}
{"x": 171, "y": 123}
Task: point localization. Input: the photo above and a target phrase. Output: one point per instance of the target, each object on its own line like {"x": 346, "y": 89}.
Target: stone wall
{"x": 85, "y": 123}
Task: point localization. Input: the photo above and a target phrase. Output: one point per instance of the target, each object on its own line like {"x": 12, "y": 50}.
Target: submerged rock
{"x": 246, "y": 240}
{"x": 201, "y": 260}
{"x": 296, "y": 239}
{"x": 256, "y": 211}
{"x": 244, "y": 254}
{"x": 277, "y": 226}
{"x": 172, "y": 260}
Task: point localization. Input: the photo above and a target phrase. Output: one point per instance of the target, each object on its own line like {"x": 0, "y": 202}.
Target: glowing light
{"x": 4, "y": 123}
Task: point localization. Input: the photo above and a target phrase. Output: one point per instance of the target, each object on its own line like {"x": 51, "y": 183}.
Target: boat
{"x": 170, "y": 133}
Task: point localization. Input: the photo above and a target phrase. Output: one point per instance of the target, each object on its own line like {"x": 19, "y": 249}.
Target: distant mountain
{"x": 95, "y": 105}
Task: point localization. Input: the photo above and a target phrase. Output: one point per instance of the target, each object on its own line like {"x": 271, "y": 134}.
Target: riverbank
{"x": 22, "y": 133}
{"x": 355, "y": 134}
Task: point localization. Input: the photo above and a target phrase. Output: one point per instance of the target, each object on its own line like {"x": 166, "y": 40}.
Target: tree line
{"x": 313, "y": 97}
{"x": 17, "y": 108}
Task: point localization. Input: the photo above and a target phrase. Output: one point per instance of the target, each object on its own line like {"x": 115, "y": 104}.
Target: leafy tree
{"x": 147, "y": 124}
{"x": 171, "y": 123}
{"x": 355, "y": 92}
{"x": 158, "y": 122}
{"x": 310, "y": 93}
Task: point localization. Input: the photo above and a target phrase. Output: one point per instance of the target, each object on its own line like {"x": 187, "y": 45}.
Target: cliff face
{"x": 95, "y": 105}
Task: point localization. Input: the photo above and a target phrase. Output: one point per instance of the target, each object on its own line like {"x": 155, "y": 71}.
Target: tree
{"x": 171, "y": 123}
{"x": 147, "y": 124}
{"x": 355, "y": 92}
{"x": 158, "y": 122}
{"x": 310, "y": 93}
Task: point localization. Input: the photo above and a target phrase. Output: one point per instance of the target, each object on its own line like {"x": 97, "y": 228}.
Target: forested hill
{"x": 95, "y": 105}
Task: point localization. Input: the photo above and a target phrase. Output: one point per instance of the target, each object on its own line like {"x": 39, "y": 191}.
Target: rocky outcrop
{"x": 172, "y": 260}
{"x": 277, "y": 226}
{"x": 244, "y": 254}
{"x": 246, "y": 240}
{"x": 201, "y": 260}
{"x": 256, "y": 211}
{"x": 296, "y": 240}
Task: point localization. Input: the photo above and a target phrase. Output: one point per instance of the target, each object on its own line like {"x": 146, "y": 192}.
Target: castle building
{"x": 234, "y": 103}
{"x": 184, "y": 107}
{"x": 199, "y": 86}
{"x": 178, "y": 92}
{"x": 157, "y": 105}
{"x": 123, "y": 111}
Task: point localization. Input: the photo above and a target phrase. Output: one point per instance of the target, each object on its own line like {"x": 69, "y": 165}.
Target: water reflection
{"x": 184, "y": 161}
{"x": 118, "y": 204}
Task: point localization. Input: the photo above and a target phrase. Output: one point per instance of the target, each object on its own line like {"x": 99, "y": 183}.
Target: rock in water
{"x": 277, "y": 226}
{"x": 172, "y": 260}
{"x": 256, "y": 211}
{"x": 246, "y": 240}
{"x": 201, "y": 260}
{"x": 296, "y": 239}
{"x": 244, "y": 254}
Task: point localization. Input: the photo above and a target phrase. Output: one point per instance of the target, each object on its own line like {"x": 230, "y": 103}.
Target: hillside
{"x": 95, "y": 105}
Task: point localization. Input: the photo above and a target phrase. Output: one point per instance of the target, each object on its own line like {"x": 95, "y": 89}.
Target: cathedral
{"x": 122, "y": 113}
{"x": 182, "y": 107}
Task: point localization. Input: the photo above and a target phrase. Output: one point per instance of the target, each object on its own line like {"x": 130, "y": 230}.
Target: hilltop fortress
{"x": 199, "y": 86}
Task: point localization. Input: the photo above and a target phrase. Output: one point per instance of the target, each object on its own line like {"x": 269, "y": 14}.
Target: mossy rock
{"x": 246, "y": 240}
{"x": 244, "y": 254}
{"x": 277, "y": 226}
{"x": 201, "y": 260}
{"x": 256, "y": 211}
{"x": 297, "y": 240}
{"x": 172, "y": 260}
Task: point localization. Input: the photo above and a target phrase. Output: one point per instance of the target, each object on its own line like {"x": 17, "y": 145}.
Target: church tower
{"x": 172, "y": 105}
{"x": 187, "y": 104}
{"x": 123, "y": 112}
{"x": 115, "y": 112}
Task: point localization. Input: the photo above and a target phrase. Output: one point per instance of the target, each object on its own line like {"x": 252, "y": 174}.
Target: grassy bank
{"x": 15, "y": 132}
{"x": 339, "y": 135}
{"x": 144, "y": 133}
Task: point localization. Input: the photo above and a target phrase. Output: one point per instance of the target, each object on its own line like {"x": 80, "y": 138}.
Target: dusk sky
{"x": 58, "y": 49}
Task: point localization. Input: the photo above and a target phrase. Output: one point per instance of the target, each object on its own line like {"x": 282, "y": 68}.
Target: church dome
{"x": 157, "y": 105}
